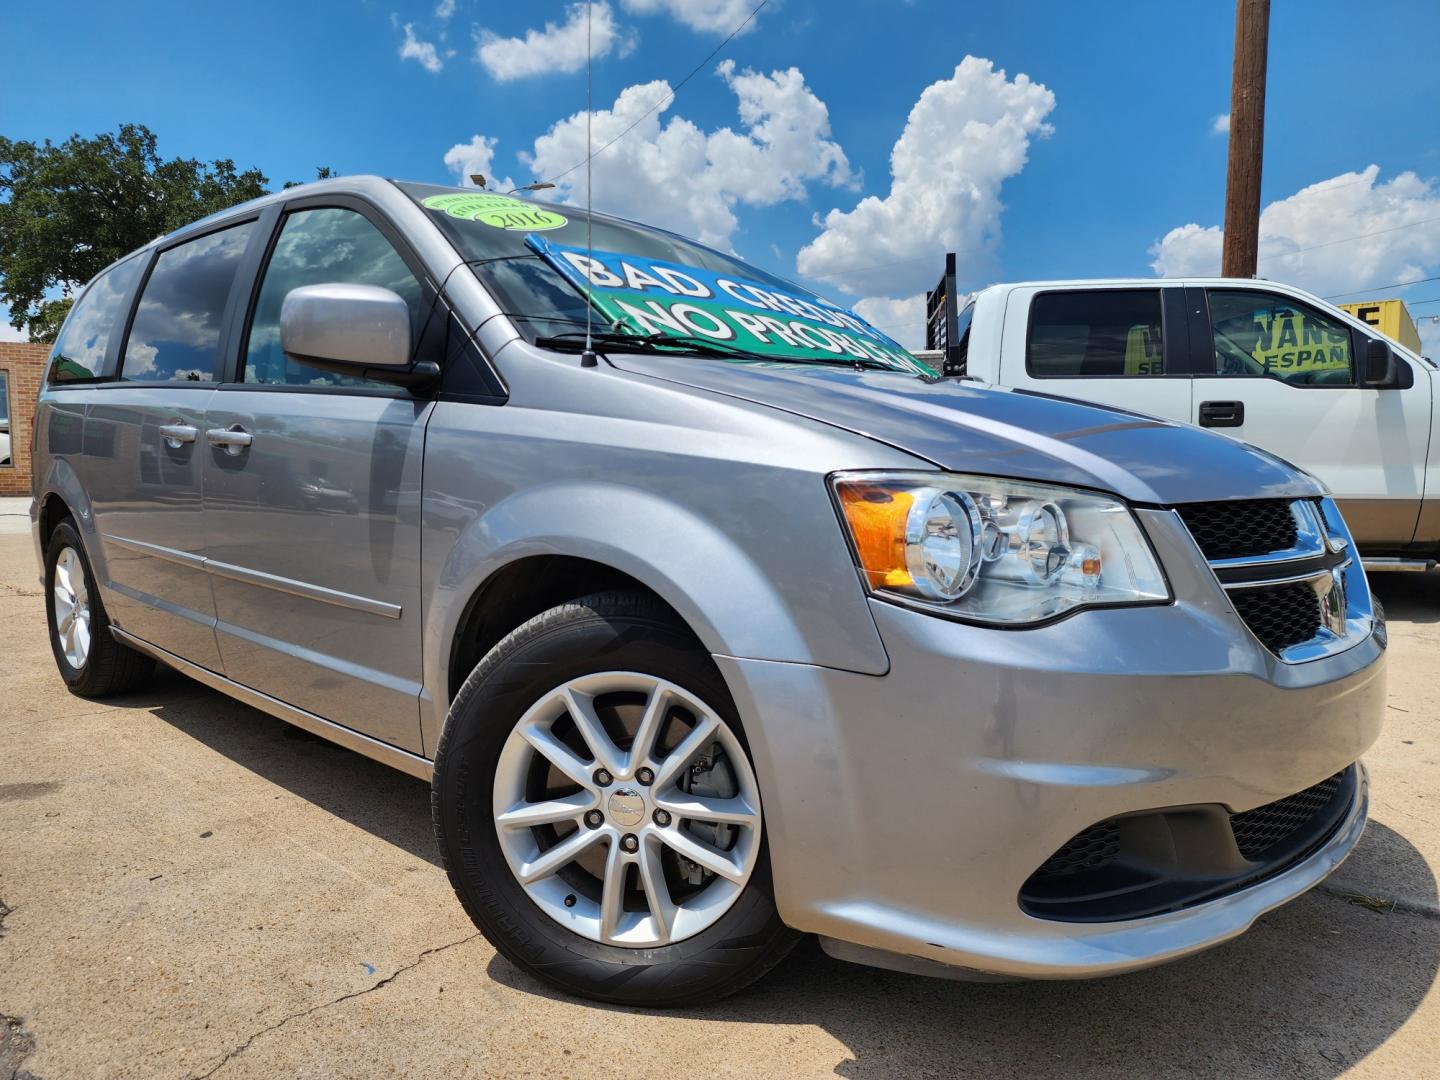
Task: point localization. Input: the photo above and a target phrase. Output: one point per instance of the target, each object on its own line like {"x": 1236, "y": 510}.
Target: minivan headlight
{"x": 995, "y": 551}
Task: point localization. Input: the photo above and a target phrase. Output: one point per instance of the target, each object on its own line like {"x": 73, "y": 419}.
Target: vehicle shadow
{"x": 1409, "y": 597}
{"x": 386, "y": 803}
{"x": 1310, "y": 991}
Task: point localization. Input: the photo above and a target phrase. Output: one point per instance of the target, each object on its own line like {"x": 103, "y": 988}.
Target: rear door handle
{"x": 1222, "y": 413}
{"x": 233, "y": 440}
{"x": 177, "y": 435}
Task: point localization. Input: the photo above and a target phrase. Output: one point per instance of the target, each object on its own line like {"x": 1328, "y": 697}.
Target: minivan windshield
{"x": 649, "y": 290}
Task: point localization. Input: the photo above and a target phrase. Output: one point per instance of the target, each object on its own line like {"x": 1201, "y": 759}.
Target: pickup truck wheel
{"x": 598, "y": 814}
{"x": 92, "y": 663}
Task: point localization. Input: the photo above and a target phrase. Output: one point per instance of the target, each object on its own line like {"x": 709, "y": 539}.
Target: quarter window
{"x": 321, "y": 247}
{"x": 176, "y": 333}
{"x": 1085, "y": 334}
{"x": 1257, "y": 333}
{"x": 79, "y": 351}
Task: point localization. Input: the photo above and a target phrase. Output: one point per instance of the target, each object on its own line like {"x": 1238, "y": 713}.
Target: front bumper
{"x": 905, "y": 812}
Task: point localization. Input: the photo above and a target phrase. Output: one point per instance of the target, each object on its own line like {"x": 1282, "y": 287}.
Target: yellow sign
{"x": 1283, "y": 341}
{"x": 1390, "y": 317}
{"x": 1142, "y": 351}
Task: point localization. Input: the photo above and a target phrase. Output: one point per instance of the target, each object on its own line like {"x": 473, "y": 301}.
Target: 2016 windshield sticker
{"x": 650, "y": 296}
{"x": 497, "y": 211}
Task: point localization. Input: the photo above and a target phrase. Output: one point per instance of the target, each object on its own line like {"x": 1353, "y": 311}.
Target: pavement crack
{"x": 5, "y": 909}
{"x": 1384, "y": 904}
{"x": 232, "y": 1054}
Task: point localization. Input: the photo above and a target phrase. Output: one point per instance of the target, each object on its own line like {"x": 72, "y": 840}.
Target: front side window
{"x": 79, "y": 351}
{"x": 327, "y": 246}
{"x": 176, "y": 333}
{"x": 1097, "y": 333}
{"x": 1259, "y": 333}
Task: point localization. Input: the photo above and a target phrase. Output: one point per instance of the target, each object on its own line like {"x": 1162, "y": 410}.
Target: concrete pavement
{"x": 189, "y": 888}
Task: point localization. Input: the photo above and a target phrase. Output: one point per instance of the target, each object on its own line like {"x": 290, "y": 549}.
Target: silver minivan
{"x": 713, "y": 617}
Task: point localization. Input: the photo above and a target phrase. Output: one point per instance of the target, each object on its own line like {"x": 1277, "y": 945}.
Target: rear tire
{"x": 92, "y": 663}
{"x": 671, "y": 931}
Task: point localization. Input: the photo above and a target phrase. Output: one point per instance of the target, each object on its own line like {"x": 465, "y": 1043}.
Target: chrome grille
{"x": 1280, "y": 616}
{"x": 1288, "y": 570}
{"x": 1236, "y": 530}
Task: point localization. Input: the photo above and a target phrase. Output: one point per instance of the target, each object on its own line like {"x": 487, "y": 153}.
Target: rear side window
{"x": 79, "y": 351}
{"x": 176, "y": 333}
{"x": 321, "y": 247}
{"x": 1105, "y": 332}
{"x": 1259, "y": 333}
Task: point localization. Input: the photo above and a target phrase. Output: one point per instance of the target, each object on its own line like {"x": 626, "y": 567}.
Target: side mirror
{"x": 359, "y": 330}
{"x": 1381, "y": 365}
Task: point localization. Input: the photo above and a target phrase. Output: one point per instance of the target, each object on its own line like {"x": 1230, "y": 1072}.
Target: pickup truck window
{"x": 1095, "y": 333}
{"x": 1262, "y": 334}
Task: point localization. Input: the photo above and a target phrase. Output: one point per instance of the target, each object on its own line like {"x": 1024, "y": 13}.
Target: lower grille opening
{"x": 1280, "y": 615}
{"x": 1257, "y": 831}
{"x": 1164, "y": 860}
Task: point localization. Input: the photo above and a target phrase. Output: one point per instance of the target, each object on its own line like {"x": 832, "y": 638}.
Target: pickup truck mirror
{"x": 352, "y": 329}
{"x": 1383, "y": 369}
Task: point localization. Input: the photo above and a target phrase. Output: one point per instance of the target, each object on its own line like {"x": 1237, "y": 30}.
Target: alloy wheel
{"x": 72, "y": 608}
{"x": 627, "y": 809}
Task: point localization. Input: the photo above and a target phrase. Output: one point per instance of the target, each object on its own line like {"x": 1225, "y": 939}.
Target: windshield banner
{"x": 650, "y": 296}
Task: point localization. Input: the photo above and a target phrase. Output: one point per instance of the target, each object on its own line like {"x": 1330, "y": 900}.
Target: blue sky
{"x": 1086, "y": 174}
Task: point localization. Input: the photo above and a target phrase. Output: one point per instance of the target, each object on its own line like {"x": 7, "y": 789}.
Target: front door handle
{"x": 1222, "y": 413}
{"x": 233, "y": 440}
{"x": 177, "y": 434}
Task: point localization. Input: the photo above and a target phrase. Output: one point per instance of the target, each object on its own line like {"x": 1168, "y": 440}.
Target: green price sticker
{"x": 497, "y": 211}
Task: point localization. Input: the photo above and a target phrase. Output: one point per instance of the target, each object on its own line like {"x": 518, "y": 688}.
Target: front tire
{"x": 598, "y": 814}
{"x": 92, "y": 663}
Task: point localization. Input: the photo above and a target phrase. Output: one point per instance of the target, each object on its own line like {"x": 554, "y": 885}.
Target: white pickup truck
{"x": 1266, "y": 363}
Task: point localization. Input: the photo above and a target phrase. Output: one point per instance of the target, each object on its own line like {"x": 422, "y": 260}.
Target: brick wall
{"x": 22, "y": 365}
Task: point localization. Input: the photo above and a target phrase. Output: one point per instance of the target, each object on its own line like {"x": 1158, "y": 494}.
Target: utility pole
{"x": 1247, "y": 139}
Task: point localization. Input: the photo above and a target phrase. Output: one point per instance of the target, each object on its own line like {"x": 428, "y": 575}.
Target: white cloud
{"x": 9, "y": 333}
{"x": 1220, "y": 125}
{"x": 903, "y": 320}
{"x": 964, "y": 137}
{"x": 713, "y": 16}
{"x": 557, "y": 48}
{"x": 673, "y": 174}
{"x": 423, "y": 52}
{"x": 1336, "y": 236}
{"x": 476, "y": 156}
{"x": 445, "y": 9}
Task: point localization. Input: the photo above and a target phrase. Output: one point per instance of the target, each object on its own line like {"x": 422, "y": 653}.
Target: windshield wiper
{"x": 573, "y": 339}
{"x": 705, "y": 347}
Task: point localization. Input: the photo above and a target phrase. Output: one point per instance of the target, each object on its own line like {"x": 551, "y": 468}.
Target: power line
{"x": 1348, "y": 239}
{"x": 1378, "y": 288}
{"x": 693, "y": 72}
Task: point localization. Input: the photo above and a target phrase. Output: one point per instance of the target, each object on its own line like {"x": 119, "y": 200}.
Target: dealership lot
{"x": 190, "y": 888}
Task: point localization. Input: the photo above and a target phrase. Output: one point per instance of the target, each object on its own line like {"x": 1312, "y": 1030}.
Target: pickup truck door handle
{"x": 1222, "y": 413}
{"x": 233, "y": 440}
{"x": 177, "y": 434}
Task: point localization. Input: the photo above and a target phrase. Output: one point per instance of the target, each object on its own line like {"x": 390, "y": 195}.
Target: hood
{"x": 965, "y": 426}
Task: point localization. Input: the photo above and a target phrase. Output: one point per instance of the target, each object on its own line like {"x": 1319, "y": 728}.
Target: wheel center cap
{"x": 627, "y": 807}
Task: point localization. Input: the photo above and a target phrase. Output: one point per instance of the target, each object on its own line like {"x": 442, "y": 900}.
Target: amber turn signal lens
{"x": 877, "y": 518}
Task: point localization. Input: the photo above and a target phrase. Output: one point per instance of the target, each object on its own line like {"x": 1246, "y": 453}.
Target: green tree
{"x": 68, "y": 211}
